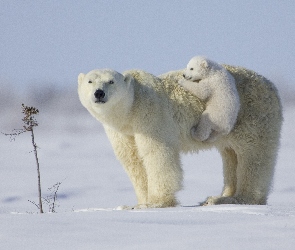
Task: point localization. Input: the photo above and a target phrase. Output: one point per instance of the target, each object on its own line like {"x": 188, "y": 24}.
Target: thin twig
{"x": 38, "y": 170}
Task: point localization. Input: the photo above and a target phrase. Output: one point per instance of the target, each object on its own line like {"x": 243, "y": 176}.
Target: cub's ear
{"x": 204, "y": 64}
{"x": 128, "y": 78}
{"x": 80, "y": 78}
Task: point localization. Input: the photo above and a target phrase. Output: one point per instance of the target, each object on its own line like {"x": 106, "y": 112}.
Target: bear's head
{"x": 198, "y": 68}
{"x": 103, "y": 87}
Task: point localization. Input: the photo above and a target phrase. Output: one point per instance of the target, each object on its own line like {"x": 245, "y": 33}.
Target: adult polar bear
{"x": 148, "y": 121}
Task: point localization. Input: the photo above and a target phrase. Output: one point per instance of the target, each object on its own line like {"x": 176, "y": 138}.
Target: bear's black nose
{"x": 183, "y": 75}
{"x": 99, "y": 94}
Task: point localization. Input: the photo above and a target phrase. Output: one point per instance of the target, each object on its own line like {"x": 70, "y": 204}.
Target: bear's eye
{"x": 191, "y": 68}
{"x": 111, "y": 82}
{"x": 89, "y": 81}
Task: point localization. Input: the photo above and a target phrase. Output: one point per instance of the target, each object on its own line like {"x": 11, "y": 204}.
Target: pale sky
{"x": 53, "y": 41}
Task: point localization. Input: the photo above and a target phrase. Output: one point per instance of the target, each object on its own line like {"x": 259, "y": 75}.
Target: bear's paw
{"x": 218, "y": 200}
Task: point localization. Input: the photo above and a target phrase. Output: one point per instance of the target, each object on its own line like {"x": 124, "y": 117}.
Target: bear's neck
{"x": 117, "y": 116}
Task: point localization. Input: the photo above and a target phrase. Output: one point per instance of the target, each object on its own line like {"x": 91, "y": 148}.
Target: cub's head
{"x": 198, "y": 68}
{"x": 102, "y": 87}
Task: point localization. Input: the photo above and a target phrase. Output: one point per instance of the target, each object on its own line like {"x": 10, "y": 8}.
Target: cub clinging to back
{"x": 213, "y": 84}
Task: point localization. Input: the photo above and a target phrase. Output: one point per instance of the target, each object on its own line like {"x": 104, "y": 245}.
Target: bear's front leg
{"x": 127, "y": 153}
{"x": 164, "y": 173}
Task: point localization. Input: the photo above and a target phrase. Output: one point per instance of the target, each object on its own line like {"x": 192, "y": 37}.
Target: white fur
{"x": 148, "y": 121}
{"x": 213, "y": 84}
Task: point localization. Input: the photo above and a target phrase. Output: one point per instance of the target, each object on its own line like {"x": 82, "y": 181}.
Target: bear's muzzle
{"x": 99, "y": 95}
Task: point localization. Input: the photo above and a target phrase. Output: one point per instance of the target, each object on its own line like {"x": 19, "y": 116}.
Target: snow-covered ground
{"x": 74, "y": 150}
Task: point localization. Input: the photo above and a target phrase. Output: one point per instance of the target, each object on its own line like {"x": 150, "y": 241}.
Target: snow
{"x": 223, "y": 227}
{"x": 94, "y": 185}
{"x": 49, "y": 43}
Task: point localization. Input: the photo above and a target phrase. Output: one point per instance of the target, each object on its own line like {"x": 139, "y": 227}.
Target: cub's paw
{"x": 213, "y": 136}
{"x": 184, "y": 83}
{"x": 198, "y": 135}
{"x": 181, "y": 81}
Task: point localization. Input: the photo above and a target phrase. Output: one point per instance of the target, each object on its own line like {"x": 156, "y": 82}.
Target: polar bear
{"x": 148, "y": 120}
{"x": 213, "y": 84}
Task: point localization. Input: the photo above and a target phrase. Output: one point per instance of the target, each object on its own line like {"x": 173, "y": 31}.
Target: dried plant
{"x": 29, "y": 123}
{"x": 51, "y": 199}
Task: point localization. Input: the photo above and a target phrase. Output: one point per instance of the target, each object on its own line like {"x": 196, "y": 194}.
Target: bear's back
{"x": 260, "y": 107}
{"x": 260, "y": 104}
{"x": 258, "y": 96}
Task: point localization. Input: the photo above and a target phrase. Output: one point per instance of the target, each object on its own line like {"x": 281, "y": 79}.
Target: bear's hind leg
{"x": 229, "y": 159}
{"x": 254, "y": 173}
{"x": 230, "y": 163}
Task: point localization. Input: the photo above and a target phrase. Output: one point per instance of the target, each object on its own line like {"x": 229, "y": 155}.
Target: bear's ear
{"x": 80, "y": 78}
{"x": 128, "y": 78}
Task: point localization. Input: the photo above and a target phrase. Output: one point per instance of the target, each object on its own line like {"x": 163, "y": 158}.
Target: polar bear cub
{"x": 213, "y": 84}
